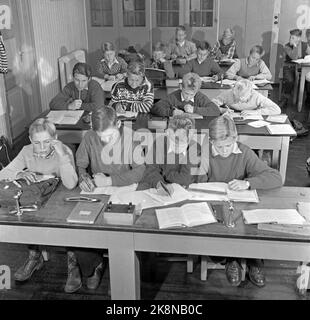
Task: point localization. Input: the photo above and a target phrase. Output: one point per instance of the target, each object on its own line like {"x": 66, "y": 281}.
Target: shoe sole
{"x": 255, "y": 283}
{"x": 75, "y": 289}
{"x": 33, "y": 270}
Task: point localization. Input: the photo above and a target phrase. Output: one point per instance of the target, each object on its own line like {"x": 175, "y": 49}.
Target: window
{"x": 201, "y": 13}
{"x": 134, "y": 13}
{"x": 101, "y": 13}
{"x": 167, "y": 13}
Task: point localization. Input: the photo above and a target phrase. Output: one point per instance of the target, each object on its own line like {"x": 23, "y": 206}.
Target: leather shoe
{"x": 74, "y": 281}
{"x": 257, "y": 276}
{"x": 233, "y": 273}
{"x": 93, "y": 282}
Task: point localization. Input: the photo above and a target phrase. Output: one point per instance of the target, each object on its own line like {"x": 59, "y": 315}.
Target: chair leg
{"x": 190, "y": 264}
{"x": 243, "y": 268}
{"x": 45, "y": 255}
{"x": 204, "y": 268}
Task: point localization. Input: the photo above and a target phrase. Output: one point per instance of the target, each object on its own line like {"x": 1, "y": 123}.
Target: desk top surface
{"x": 56, "y": 210}
{"x": 141, "y": 122}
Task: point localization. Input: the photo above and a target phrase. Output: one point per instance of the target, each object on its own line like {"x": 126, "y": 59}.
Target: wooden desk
{"x": 212, "y": 90}
{"x": 305, "y": 68}
{"x": 49, "y": 227}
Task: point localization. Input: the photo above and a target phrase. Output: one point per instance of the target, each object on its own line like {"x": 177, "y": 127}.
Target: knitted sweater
{"x": 118, "y": 67}
{"x": 138, "y": 100}
{"x": 207, "y": 68}
{"x": 242, "y": 166}
{"x": 62, "y": 167}
{"x": 122, "y": 168}
{"x": 202, "y": 105}
{"x": 92, "y": 98}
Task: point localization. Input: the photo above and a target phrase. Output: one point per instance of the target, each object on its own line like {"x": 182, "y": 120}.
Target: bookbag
{"x": 34, "y": 194}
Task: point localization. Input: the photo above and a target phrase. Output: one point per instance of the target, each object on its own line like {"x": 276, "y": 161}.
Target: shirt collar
{"x": 182, "y": 98}
{"x": 181, "y": 44}
{"x": 236, "y": 150}
{"x": 247, "y": 61}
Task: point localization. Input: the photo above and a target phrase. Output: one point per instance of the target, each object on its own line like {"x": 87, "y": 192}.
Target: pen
{"x": 166, "y": 189}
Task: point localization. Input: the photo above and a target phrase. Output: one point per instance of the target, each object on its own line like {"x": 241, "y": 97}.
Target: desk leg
{"x": 284, "y": 155}
{"x": 124, "y": 268}
{"x": 303, "y": 282}
{"x": 301, "y": 88}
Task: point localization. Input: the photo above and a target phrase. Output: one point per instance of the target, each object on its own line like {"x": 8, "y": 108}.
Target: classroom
{"x": 154, "y": 150}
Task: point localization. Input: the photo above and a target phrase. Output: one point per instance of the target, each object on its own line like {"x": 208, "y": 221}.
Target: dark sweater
{"x": 207, "y": 68}
{"x": 241, "y": 166}
{"x": 92, "y": 98}
{"x": 202, "y": 105}
{"x": 170, "y": 167}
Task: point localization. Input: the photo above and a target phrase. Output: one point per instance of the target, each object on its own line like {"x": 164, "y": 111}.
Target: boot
{"x": 74, "y": 281}
{"x": 34, "y": 262}
{"x": 93, "y": 282}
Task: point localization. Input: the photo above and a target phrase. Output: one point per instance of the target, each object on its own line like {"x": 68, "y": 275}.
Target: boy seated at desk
{"x": 111, "y": 67}
{"x": 133, "y": 93}
{"x": 173, "y": 158}
{"x": 225, "y": 48}
{"x": 236, "y": 164}
{"x": 203, "y": 65}
{"x": 243, "y": 98}
{"x": 108, "y": 154}
{"x": 82, "y": 93}
{"x": 186, "y": 100}
{"x": 252, "y": 67}
{"x": 44, "y": 156}
{"x": 180, "y": 51}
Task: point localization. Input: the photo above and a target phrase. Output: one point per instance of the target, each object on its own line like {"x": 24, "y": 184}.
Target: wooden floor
{"x": 168, "y": 280}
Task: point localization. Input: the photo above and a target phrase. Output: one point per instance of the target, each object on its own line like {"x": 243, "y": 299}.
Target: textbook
{"x": 189, "y": 215}
{"x": 219, "y": 191}
{"x": 85, "y": 212}
{"x": 281, "y": 129}
{"x": 65, "y": 116}
{"x": 276, "y": 216}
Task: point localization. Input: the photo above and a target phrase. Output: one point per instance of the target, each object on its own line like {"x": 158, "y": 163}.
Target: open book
{"x": 189, "y": 215}
{"x": 278, "y": 216}
{"x": 65, "y": 116}
{"x": 219, "y": 191}
{"x": 279, "y": 129}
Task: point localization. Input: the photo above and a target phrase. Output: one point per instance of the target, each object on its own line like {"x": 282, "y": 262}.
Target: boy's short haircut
{"x": 108, "y": 46}
{"x": 191, "y": 81}
{"x": 203, "y": 45}
{"x": 243, "y": 87}
{"x": 182, "y": 28}
{"x": 103, "y": 118}
{"x": 222, "y": 128}
{"x": 296, "y": 32}
{"x": 42, "y": 125}
{"x": 137, "y": 68}
{"x": 82, "y": 68}
{"x": 258, "y": 49}
{"x": 181, "y": 121}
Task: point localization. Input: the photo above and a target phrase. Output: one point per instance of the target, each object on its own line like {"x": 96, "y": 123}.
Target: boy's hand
{"x": 119, "y": 108}
{"x": 101, "y": 180}
{"x": 86, "y": 183}
{"x": 29, "y": 176}
{"x": 177, "y": 112}
{"x": 189, "y": 108}
{"x": 75, "y": 105}
{"x": 164, "y": 189}
{"x": 58, "y": 146}
{"x": 215, "y": 78}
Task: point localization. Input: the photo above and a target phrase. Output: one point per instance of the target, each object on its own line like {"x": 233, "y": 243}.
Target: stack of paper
{"x": 278, "y": 216}
{"x": 65, "y": 116}
{"x": 281, "y": 129}
{"x": 281, "y": 118}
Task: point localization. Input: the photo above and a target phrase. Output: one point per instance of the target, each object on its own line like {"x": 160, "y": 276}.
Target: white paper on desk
{"x": 243, "y": 196}
{"x": 210, "y": 186}
{"x": 304, "y": 209}
{"x": 279, "y": 216}
{"x": 258, "y": 124}
{"x": 112, "y": 190}
{"x": 281, "y": 118}
{"x": 208, "y": 191}
{"x": 128, "y": 114}
{"x": 227, "y": 82}
{"x": 253, "y": 117}
{"x": 65, "y": 116}
{"x": 206, "y": 79}
{"x": 261, "y": 82}
{"x": 281, "y": 129}
{"x": 306, "y": 59}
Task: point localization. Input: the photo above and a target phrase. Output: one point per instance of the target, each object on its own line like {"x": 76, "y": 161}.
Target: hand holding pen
{"x": 86, "y": 183}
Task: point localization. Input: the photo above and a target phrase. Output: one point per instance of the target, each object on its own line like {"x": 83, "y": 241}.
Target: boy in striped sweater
{"x": 134, "y": 93}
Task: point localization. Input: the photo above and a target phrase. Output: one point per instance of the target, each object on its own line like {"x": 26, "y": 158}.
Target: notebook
{"x": 277, "y": 216}
{"x": 189, "y": 215}
{"x": 281, "y": 118}
{"x": 281, "y": 129}
{"x": 85, "y": 212}
{"x": 65, "y": 116}
{"x": 111, "y": 190}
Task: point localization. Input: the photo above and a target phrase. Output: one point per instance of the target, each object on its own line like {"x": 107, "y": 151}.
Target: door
{"x": 21, "y": 91}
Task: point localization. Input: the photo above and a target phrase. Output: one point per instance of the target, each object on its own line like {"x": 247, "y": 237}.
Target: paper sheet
{"x": 281, "y": 129}
{"x": 128, "y": 114}
{"x": 253, "y": 117}
{"x": 206, "y": 79}
{"x": 281, "y": 118}
{"x": 280, "y": 216}
{"x": 258, "y": 124}
{"x": 261, "y": 82}
{"x": 111, "y": 190}
{"x": 65, "y": 116}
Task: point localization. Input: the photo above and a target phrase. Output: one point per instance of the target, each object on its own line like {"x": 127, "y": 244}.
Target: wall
{"x": 59, "y": 27}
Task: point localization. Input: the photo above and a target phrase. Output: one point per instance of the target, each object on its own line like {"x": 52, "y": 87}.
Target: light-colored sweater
{"x": 256, "y": 101}
{"x": 62, "y": 167}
